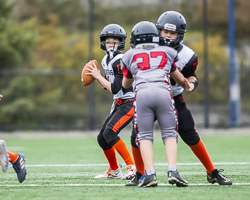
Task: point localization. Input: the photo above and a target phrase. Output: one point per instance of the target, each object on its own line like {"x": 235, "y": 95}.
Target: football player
{"x": 149, "y": 66}
{"x": 16, "y": 159}
{"x": 112, "y": 39}
{"x": 172, "y": 26}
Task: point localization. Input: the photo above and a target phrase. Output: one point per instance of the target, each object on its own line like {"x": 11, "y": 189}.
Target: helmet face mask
{"x": 144, "y": 32}
{"x": 113, "y": 31}
{"x": 167, "y": 42}
{"x": 173, "y": 21}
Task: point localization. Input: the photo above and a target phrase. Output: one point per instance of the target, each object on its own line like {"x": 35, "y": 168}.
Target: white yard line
{"x": 106, "y": 185}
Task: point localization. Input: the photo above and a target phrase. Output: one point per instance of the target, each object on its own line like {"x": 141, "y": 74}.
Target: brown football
{"x": 88, "y": 79}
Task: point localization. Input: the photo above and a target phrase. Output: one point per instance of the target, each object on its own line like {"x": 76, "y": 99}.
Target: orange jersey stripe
{"x": 123, "y": 120}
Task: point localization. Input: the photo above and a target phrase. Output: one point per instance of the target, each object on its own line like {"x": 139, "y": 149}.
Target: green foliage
{"x": 218, "y": 64}
{"x": 71, "y": 14}
{"x": 15, "y": 39}
{"x": 45, "y": 44}
{"x": 20, "y": 105}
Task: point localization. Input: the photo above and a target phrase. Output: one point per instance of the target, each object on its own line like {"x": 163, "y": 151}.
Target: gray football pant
{"x": 154, "y": 101}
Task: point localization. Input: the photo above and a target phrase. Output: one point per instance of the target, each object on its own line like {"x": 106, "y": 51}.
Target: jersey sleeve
{"x": 191, "y": 66}
{"x": 127, "y": 73}
{"x": 118, "y": 73}
{"x": 124, "y": 64}
{"x": 173, "y": 67}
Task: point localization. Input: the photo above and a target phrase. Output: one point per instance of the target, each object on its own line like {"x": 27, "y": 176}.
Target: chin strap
{"x": 111, "y": 52}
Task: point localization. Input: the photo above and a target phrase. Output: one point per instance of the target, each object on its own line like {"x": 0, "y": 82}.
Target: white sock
{"x": 150, "y": 171}
{"x": 172, "y": 168}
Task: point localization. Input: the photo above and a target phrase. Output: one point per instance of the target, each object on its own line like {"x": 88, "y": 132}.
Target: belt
{"x": 121, "y": 101}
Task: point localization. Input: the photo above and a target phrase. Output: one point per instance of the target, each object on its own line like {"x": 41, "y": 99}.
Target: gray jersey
{"x": 150, "y": 64}
{"x": 110, "y": 72}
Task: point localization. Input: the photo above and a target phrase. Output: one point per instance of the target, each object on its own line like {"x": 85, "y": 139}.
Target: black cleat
{"x": 175, "y": 178}
{"x": 19, "y": 167}
{"x": 217, "y": 177}
{"x": 135, "y": 180}
{"x": 148, "y": 181}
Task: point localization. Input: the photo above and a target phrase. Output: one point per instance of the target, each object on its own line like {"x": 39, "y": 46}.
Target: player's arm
{"x": 118, "y": 73}
{"x": 179, "y": 78}
{"x": 189, "y": 72}
{"x": 96, "y": 73}
{"x": 127, "y": 80}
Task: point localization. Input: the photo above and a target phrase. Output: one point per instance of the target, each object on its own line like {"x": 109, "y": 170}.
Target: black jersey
{"x": 186, "y": 64}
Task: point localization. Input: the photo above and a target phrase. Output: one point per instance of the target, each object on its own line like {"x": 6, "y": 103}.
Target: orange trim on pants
{"x": 123, "y": 120}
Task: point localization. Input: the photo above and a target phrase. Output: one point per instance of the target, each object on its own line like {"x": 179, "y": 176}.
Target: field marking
{"x": 109, "y": 185}
{"x": 156, "y": 164}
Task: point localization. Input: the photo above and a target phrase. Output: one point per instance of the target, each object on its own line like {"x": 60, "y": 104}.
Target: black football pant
{"x": 121, "y": 116}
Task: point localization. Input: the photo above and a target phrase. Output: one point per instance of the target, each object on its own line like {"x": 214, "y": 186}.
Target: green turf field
{"x": 64, "y": 169}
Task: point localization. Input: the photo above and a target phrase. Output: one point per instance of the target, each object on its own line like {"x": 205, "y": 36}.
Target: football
{"x": 88, "y": 79}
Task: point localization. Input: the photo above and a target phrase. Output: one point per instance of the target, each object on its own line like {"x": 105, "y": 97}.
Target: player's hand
{"x": 191, "y": 80}
{"x": 94, "y": 71}
{"x": 188, "y": 87}
{"x": 1, "y": 96}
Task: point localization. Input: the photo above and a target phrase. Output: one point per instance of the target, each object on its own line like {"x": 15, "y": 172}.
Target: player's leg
{"x": 4, "y": 159}
{"x": 191, "y": 137}
{"x": 18, "y": 163}
{"x": 119, "y": 120}
{"x": 114, "y": 170}
{"x": 169, "y": 135}
{"x": 145, "y": 122}
{"x": 140, "y": 170}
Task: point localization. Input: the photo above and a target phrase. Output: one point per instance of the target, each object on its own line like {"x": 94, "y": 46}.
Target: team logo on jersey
{"x": 170, "y": 27}
{"x": 109, "y": 72}
{"x": 195, "y": 65}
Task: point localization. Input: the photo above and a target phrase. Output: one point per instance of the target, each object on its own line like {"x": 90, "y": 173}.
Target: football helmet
{"x": 144, "y": 32}
{"x": 172, "y": 21}
{"x": 114, "y": 31}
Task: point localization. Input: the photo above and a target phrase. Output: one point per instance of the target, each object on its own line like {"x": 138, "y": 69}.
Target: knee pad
{"x": 102, "y": 143}
{"x": 190, "y": 137}
{"x": 110, "y": 137}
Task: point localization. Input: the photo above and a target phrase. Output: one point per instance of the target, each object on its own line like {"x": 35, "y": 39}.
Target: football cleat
{"x": 148, "y": 181}
{"x": 130, "y": 172}
{"x": 4, "y": 158}
{"x": 175, "y": 178}
{"x": 135, "y": 180}
{"x": 217, "y": 177}
{"x": 19, "y": 167}
{"x": 109, "y": 173}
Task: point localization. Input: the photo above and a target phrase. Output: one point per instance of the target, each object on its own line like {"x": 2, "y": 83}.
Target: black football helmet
{"x": 172, "y": 21}
{"x": 114, "y": 31}
{"x": 144, "y": 32}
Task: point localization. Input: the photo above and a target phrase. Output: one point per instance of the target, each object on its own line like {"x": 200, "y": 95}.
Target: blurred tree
{"x": 218, "y": 65}
{"x": 16, "y": 42}
{"x": 45, "y": 44}
{"x": 70, "y": 14}
{"x": 15, "y": 39}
